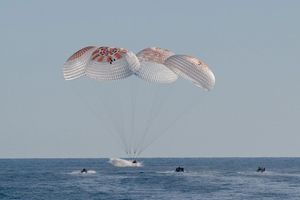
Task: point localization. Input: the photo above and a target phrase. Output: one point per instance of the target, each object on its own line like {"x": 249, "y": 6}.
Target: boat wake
{"x": 79, "y": 172}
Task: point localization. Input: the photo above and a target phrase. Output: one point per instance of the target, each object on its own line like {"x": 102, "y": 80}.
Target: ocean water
{"x": 204, "y": 178}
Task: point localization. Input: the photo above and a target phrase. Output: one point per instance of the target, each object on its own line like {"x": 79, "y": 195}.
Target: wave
{"x": 190, "y": 173}
{"x": 269, "y": 173}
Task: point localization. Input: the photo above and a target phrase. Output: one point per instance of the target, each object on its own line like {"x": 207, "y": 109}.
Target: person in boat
{"x": 179, "y": 169}
{"x": 261, "y": 169}
{"x": 83, "y": 170}
{"x": 134, "y": 161}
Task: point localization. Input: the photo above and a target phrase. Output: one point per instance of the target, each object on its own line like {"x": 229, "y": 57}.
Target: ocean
{"x": 204, "y": 178}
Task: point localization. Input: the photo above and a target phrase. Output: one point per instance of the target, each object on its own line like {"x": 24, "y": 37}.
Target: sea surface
{"x": 204, "y": 178}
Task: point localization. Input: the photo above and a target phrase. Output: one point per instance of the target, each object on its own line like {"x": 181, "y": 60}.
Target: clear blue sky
{"x": 253, "y": 47}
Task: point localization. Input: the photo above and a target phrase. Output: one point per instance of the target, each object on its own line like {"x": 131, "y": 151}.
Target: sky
{"x": 251, "y": 46}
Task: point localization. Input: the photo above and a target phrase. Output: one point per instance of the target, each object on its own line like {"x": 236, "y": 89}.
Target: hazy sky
{"x": 253, "y": 47}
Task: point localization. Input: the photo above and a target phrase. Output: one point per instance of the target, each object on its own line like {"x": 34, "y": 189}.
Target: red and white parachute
{"x": 153, "y": 65}
{"x": 103, "y": 63}
{"x": 150, "y": 64}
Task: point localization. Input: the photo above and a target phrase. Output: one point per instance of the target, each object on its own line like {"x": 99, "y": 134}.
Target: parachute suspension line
{"x": 186, "y": 111}
{"x": 155, "y": 112}
{"x": 152, "y": 113}
{"x": 119, "y": 103}
{"x": 150, "y": 110}
{"x": 133, "y": 93}
{"x": 115, "y": 123}
{"x": 101, "y": 118}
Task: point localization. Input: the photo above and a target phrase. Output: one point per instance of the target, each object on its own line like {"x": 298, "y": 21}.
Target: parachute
{"x": 75, "y": 66}
{"x": 103, "y": 63}
{"x": 151, "y": 65}
{"x": 192, "y": 69}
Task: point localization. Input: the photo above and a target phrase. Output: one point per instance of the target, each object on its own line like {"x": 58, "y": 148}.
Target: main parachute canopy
{"x": 192, "y": 69}
{"x": 103, "y": 63}
{"x": 150, "y": 64}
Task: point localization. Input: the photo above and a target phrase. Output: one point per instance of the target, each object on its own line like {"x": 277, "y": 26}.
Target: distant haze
{"x": 253, "y": 48}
